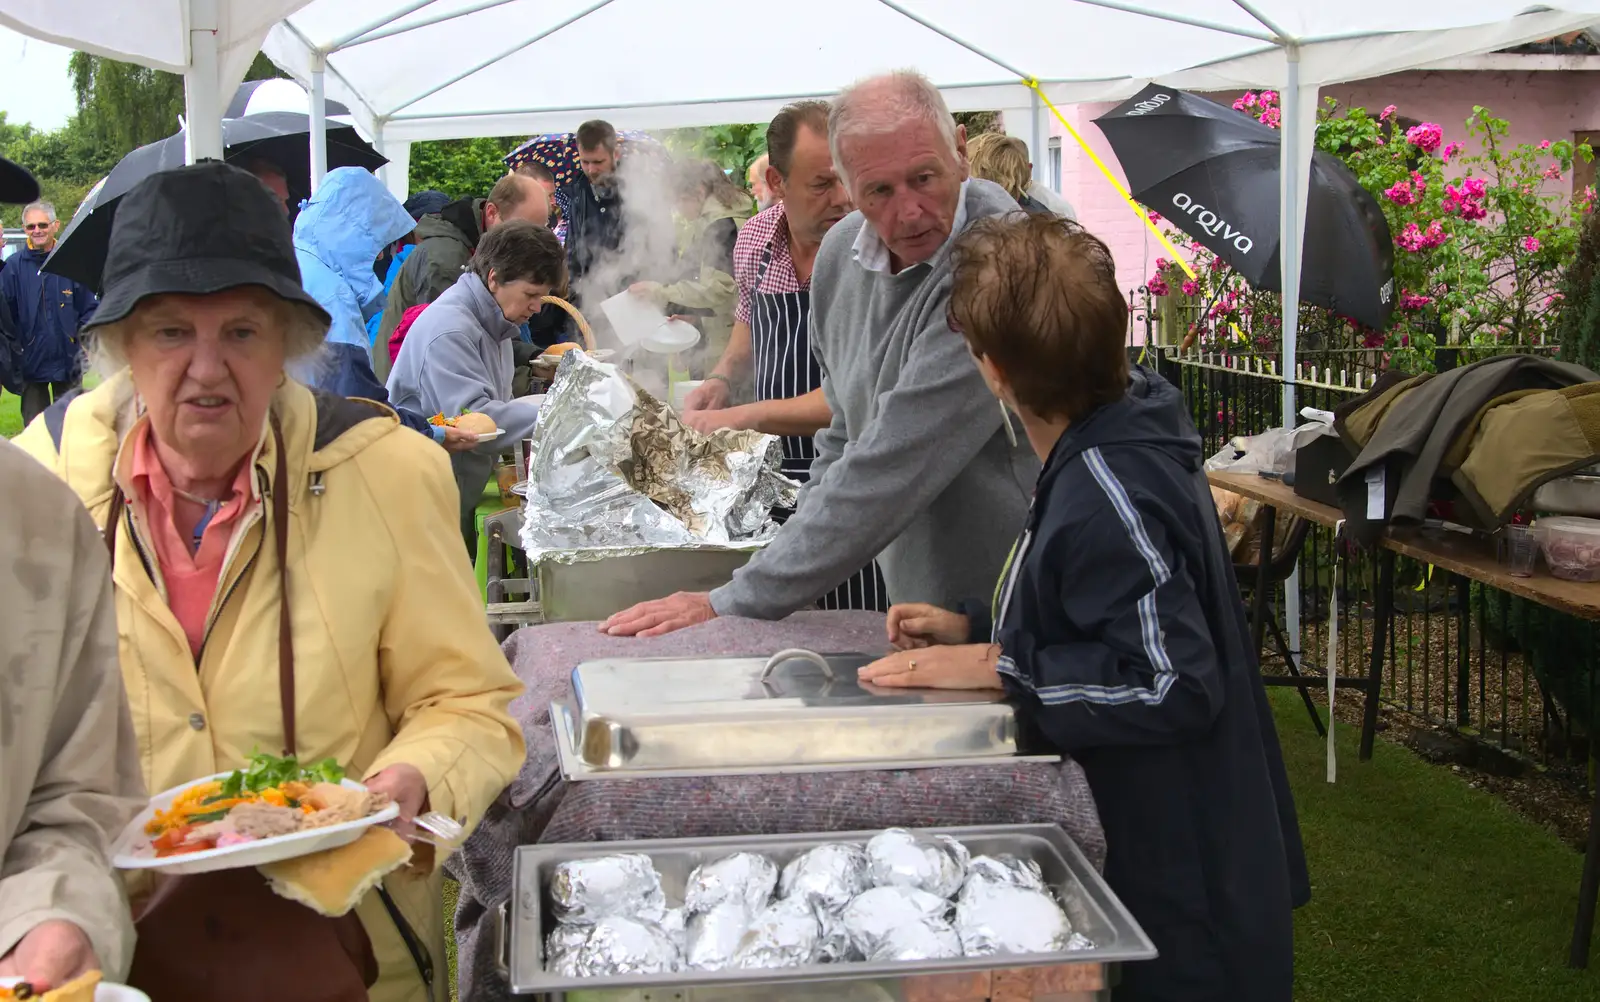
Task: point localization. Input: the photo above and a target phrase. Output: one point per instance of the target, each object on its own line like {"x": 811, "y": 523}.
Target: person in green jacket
{"x": 445, "y": 243}
{"x": 710, "y": 211}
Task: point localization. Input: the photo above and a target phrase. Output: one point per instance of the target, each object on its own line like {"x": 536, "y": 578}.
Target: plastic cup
{"x": 1518, "y": 549}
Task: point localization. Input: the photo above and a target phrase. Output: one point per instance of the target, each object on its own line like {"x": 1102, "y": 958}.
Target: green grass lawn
{"x": 1423, "y": 888}
{"x": 10, "y": 414}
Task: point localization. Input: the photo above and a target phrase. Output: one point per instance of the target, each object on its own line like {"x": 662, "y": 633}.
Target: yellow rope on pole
{"x": 1033, "y": 85}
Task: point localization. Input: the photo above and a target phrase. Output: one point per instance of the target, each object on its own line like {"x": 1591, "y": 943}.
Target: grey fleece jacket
{"x": 457, "y": 357}
{"x": 916, "y": 468}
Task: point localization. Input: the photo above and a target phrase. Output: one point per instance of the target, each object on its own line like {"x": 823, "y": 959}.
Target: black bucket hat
{"x": 16, "y": 184}
{"x": 198, "y": 230}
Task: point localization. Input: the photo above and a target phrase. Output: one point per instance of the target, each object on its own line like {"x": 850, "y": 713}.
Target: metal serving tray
{"x": 796, "y": 709}
{"x": 1089, "y": 903}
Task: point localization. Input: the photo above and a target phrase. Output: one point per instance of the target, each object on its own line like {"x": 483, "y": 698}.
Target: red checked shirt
{"x": 767, "y": 228}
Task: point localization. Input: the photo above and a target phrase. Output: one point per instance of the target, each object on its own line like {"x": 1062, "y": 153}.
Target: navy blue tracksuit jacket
{"x": 1125, "y": 645}
{"x": 46, "y": 311}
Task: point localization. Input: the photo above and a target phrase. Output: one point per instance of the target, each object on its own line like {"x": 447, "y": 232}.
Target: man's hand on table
{"x": 664, "y": 615}
{"x": 915, "y": 625}
{"x": 967, "y": 666}
{"x": 52, "y": 953}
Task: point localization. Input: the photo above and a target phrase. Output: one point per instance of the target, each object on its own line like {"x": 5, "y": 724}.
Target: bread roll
{"x": 562, "y": 348}
{"x": 477, "y": 424}
{"x": 333, "y": 882}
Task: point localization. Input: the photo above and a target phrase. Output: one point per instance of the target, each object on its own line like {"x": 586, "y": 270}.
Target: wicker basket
{"x": 583, "y": 325}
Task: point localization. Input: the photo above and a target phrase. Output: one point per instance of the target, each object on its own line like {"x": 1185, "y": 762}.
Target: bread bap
{"x": 477, "y": 424}
{"x": 562, "y": 348}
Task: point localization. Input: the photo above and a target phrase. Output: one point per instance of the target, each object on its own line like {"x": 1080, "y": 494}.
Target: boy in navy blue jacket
{"x": 1117, "y": 629}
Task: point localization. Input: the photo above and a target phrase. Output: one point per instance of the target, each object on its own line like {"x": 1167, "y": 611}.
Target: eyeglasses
{"x": 36, "y": 226}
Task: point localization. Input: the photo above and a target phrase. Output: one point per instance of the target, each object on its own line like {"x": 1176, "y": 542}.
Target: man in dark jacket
{"x": 594, "y": 212}
{"x": 445, "y": 243}
{"x": 46, "y": 312}
{"x": 1119, "y": 633}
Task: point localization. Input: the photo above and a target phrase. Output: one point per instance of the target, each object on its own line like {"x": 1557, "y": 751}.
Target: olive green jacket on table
{"x": 69, "y": 764}
{"x": 395, "y": 663}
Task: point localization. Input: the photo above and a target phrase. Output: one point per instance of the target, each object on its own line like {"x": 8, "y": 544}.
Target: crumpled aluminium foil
{"x": 829, "y": 876}
{"x": 562, "y": 946}
{"x": 621, "y": 945}
{"x": 897, "y": 858}
{"x": 996, "y": 918}
{"x": 786, "y": 934}
{"x": 611, "y": 470}
{"x": 585, "y": 891}
{"x": 1004, "y": 868}
{"x": 712, "y": 936}
{"x": 745, "y": 877}
{"x": 901, "y": 923}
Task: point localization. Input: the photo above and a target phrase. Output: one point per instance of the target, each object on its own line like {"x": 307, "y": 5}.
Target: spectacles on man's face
{"x": 36, "y": 226}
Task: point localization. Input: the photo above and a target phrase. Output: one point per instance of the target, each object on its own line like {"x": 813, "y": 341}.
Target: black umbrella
{"x": 1213, "y": 172}
{"x": 281, "y": 138}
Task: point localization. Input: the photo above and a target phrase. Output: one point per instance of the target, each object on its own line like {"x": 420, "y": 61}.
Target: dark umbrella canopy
{"x": 248, "y": 99}
{"x": 281, "y": 138}
{"x": 1213, "y": 172}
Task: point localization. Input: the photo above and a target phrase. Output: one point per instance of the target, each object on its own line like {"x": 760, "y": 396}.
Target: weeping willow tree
{"x": 123, "y": 106}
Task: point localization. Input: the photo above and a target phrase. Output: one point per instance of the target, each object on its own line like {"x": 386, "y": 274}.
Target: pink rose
{"x": 1553, "y": 172}
{"x": 1426, "y": 137}
{"x": 1449, "y": 151}
{"x": 1239, "y": 105}
{"x": 1474, "y": 187}
{"x": 1269, "y": 97}
{"x": 1250, "y": 99}
{"x": 1545, "y": 145}
{"x": 1411, "y": 301}
{"x": 1161, "y": 264}
{"x": 1190, "y": 287}
{"x": 1158, "y": 286}
{"x": 1531, "y": 244}
{"x": 1390, "y": 110}
{"x": 1271, "y": 118}
{"x": 1155, "y": 217}
{"x": 1400, "y": 194}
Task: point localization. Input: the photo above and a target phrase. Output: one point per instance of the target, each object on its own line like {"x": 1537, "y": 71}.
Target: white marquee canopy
{"x": 435, "y": 69}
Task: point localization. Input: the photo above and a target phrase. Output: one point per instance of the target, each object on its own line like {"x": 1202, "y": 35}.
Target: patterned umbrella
{"x": 559, "y": 152}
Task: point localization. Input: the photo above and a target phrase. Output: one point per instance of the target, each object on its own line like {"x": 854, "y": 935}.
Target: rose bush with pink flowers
{"x": 1479, "y": 247}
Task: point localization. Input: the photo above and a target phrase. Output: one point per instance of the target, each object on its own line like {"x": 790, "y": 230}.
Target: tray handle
{"x": 502, "y": 942}
{"x": 797, "y": 654}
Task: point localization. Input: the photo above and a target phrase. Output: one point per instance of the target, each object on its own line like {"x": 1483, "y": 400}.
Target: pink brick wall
{"x": 1543, "y": 105}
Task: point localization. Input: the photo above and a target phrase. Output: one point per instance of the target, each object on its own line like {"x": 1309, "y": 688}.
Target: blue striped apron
{"x": 785, "y": 367}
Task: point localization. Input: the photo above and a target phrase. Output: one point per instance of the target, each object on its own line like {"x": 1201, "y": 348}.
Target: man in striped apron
{"x": 770, "y": 345}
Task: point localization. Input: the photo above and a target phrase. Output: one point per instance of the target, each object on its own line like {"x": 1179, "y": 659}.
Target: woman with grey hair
{"x": 458, "y": 355}
{"x": 285, "y": 581}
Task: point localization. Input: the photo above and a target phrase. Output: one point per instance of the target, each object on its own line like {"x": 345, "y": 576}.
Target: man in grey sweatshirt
{"x": 457, "y": 356}
{"x": 917, "y": 468}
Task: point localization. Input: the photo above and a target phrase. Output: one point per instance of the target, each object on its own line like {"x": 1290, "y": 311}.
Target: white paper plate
{"x": 490, "y": 436}
{"x": 103, "y": 992}
{"x": 132, "y": 849}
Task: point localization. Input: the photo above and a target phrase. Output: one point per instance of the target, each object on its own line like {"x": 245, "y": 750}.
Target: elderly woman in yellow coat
{"x": 287, "y": 568}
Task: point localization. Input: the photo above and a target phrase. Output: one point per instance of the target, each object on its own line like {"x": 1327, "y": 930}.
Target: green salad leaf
{"x": 266, "y": 771}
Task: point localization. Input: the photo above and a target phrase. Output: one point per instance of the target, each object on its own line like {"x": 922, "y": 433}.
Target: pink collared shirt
{"x": 190, "y": 578}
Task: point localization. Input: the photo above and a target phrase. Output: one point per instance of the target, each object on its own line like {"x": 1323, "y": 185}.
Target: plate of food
{"x": 481, "y": 425}
{"x": 272, "y": 810}
{"x": 88, "y": 988}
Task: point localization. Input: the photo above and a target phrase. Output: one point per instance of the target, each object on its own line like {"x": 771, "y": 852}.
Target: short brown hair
{"x": 510, "y": 192}
{"x": 595, "y": 134}
{"x": 784, "y": 131}
{"x": 1038, "y": 296}
{"x": 518, "y": 251}
{"x": 536, "y": 170}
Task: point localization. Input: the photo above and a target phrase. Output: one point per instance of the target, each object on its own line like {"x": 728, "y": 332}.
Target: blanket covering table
{"x": 540, "y": 806}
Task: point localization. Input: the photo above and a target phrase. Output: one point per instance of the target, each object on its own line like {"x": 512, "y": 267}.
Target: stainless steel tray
{"x": 1090, "y": 905}
{"x": 730, "y": 713}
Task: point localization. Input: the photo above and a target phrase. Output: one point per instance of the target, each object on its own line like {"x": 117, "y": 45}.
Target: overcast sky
{"x": 36, "y": 88}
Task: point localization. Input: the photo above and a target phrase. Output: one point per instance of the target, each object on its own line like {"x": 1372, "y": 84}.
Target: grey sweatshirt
{"x": 916, "y": 468}
{"x": 457, "y": 356}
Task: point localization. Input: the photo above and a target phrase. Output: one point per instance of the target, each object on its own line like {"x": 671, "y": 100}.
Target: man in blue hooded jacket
{"x": 46, "y": 312}
{"x": 337, "y": 236}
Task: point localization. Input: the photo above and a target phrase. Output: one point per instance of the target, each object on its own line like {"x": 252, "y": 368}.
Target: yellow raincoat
{"x": 395, "y": 662}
